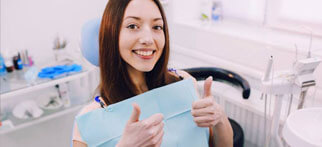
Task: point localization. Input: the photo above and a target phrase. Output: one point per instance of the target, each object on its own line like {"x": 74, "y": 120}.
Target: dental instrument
{"x": 266, "y": 78}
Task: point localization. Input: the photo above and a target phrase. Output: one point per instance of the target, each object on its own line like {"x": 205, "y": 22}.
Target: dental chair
{"x": 90, "y": 45}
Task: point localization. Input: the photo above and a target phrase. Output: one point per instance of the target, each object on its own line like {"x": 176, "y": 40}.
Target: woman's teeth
{"x": 144, "y": 53}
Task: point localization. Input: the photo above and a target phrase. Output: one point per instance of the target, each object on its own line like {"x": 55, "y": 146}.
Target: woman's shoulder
{"x": 89, "y": 107}
{"x": 184, "y": 75}
{"x": 180, "y": 73}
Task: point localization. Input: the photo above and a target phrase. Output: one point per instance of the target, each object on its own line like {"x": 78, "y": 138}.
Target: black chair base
{"x": 238, "y": 133}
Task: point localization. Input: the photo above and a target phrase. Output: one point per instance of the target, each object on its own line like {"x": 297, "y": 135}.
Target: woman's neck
{"x": 138, "y": 79}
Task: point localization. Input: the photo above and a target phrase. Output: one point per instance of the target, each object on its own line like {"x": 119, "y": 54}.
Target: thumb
{"x": 207, "y": 86}
{"x": 135, "y": 113}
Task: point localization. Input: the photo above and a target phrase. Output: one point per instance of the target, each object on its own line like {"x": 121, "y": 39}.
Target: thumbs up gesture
{"x": 205, "y": 111}
{"x": 142, "y": 133}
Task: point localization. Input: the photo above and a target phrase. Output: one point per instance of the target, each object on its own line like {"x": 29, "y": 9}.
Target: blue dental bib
{"x": 104, "y": 128}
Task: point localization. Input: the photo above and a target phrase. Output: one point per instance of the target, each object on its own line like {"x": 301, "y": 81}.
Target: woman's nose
{"x": 146, "y": 37}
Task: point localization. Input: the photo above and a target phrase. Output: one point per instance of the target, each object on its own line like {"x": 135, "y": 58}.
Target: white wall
{"x": 33, "y": 24}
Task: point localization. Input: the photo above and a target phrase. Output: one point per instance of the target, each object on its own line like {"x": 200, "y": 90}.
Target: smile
{"x": 144, "y": 53}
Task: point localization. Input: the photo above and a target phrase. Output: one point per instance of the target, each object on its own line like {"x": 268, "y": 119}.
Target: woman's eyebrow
{"x": 156, "y": 19}
{"x": 133, "y": 17}
{"x": 138, "y": 18}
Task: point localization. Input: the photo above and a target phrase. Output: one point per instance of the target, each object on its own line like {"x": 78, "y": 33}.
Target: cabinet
{"x": 57, "y": 122}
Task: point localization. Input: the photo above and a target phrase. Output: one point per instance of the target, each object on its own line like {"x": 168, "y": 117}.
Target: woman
{"x": 134, "y": 53}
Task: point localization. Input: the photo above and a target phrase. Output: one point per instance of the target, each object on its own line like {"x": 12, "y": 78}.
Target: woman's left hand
{"x": 205, "y": 111}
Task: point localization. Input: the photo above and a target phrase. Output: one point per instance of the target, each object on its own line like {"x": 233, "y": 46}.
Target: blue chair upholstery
{"x": 89, "y": 40}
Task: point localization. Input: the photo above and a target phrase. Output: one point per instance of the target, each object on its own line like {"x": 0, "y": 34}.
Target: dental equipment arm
{"x": 298, "y": 80}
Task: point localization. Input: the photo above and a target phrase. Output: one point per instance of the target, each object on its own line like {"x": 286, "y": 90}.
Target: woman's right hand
{"x": 142, "y": 133}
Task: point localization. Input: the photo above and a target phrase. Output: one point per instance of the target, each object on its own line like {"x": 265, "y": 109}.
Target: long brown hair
{"x": 115, "y": 84}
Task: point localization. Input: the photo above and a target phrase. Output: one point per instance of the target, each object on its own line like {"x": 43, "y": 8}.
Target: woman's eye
{"x": 158, "y": 27}
{"x": 132, "y": 26}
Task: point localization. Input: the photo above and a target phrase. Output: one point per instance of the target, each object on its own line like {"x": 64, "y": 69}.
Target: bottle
{"x": 31, "y": 75}
{"x": 205, "y": 10}
{"x": 17, "y": 62}
{"x": 9, "y": 65}
{"x": 24, "y": 58}
{"x": 31, "y": 62}
{"x": 64, "y": 94}
{"x": 3, "y": 70}
{"x": 216, "y": 13}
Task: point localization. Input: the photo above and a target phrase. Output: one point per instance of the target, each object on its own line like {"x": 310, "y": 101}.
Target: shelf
{"x": 18, "y": 85}
{"x": 47, "y": 115}
{"x": 44, "y": 87}
{"x": 255, "y": 33}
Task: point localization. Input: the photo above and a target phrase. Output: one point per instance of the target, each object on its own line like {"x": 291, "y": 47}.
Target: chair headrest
{"x": 89, "y": 40}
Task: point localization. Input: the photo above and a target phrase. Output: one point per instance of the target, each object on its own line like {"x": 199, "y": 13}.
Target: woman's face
{"x": 142, "y": 38}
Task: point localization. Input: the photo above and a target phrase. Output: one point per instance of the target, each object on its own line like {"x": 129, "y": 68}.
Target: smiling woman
{"x": 133, "y": 59}
{"x": 128, "y": 34}
{"x": 142, "y": 37}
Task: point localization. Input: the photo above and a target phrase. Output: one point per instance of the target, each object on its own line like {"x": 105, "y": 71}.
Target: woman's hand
{"x": 147, "y": 132}
{"x": 205, "y": 111}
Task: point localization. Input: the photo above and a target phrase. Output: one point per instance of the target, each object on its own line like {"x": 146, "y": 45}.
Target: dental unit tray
{"x": 222, "y": 75}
